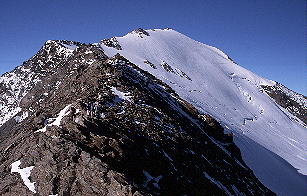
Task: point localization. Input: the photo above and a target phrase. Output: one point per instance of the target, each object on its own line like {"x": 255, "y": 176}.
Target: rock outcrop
{"x": 293, "y": 102}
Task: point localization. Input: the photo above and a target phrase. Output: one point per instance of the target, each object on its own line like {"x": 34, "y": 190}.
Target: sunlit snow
{"x": 25, "y": 174}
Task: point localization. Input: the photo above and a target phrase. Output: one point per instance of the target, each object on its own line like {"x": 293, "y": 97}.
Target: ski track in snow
{"x": 230, "y": 94}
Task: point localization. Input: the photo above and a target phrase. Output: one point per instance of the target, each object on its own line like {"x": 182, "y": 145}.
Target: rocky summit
{"x": 90, "y": 119}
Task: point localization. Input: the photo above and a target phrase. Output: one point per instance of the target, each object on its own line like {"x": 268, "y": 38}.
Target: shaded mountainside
{"x": 142, "y": 138}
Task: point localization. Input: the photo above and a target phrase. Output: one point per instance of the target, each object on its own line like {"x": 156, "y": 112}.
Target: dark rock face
{"x": 112, "y": 42}
{"x": 150, "y": 64}
{"x": 140, "y": 32}
{"x": 131, "y": 134}
{"x": 288, "y": 99}
{"x": 170, "y": 69}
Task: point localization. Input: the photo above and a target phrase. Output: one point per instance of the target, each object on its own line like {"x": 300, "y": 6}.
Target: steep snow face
{"x": 208, "y": 79}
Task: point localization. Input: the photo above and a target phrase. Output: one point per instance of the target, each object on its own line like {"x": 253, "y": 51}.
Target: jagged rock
{"x": 150, "y": 64}
{"x": 140, "y": 32}
{"x": 112, "y": 42}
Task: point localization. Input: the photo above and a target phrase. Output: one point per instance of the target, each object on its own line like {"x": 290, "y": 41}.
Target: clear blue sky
{"x": 264, "y": 36}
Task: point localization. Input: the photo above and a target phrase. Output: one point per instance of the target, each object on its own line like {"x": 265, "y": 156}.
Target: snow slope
{"x": 272, "y": 143}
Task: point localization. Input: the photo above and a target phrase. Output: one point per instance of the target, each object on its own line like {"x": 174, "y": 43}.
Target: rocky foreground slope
{"x": 151, "y": 118}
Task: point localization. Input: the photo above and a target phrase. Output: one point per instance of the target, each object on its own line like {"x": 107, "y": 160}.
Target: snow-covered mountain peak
{"x": 179, "y": 50}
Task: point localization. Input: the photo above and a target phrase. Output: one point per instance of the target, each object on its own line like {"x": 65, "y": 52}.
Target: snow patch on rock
{"x": 121, "y": 95}
{"x": 25, "y": 173}
{"x": 58, "y": 119}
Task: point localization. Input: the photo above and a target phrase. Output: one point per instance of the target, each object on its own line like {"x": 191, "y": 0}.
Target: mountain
{"x": 175, "y": 117}
{"x": 144, "y": 139}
